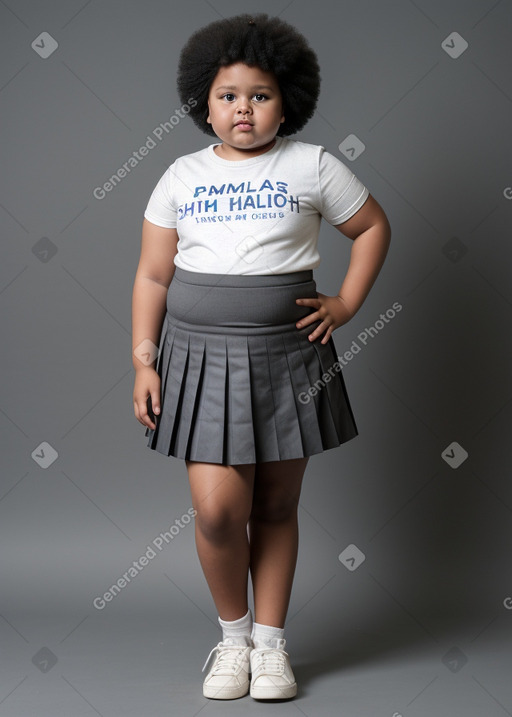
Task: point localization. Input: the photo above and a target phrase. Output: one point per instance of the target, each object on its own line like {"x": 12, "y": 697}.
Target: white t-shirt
{"x": 254, "y": 216}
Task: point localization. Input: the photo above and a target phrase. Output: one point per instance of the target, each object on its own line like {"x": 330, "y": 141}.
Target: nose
{"x": 243, "y": 106}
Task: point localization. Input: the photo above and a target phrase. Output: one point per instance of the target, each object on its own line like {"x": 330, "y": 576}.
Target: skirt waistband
{"x": 242, "y": 280}
{"x": 239, "y": 304}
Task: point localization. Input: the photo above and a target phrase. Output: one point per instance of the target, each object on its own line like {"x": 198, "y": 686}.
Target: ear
{"x": 208, "y": 118}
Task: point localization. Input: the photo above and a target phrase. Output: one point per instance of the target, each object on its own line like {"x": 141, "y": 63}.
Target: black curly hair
{"x": 256, "y": 40}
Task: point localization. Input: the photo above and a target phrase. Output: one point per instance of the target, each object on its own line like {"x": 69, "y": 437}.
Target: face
{"x": 240, "y": 92}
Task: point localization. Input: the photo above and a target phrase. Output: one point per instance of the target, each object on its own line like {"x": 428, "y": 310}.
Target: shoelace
{"x": 272, "y": 661}
{"x": 227, "y": 657}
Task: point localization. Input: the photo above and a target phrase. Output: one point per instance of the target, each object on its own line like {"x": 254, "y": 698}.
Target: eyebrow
{"x": 255, "y": 87}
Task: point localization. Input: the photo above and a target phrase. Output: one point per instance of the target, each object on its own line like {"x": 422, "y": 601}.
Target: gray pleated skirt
{"x": 240, "y": 383}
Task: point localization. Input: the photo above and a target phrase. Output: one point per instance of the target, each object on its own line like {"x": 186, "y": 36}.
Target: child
{"x": 247, "y": 384}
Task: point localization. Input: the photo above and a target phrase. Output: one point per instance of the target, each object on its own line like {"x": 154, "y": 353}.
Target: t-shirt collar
{"x": 242, "y": 162}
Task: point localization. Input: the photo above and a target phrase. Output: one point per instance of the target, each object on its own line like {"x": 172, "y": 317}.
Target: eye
{"x": 227, "y": 96}
{"x": 262, "y": 96}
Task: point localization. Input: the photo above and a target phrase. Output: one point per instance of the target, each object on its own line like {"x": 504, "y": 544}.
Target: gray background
{"x": 422, "y": 625}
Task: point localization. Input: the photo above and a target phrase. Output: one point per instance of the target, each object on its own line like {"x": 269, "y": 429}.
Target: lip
{"x": 244, "y": 125}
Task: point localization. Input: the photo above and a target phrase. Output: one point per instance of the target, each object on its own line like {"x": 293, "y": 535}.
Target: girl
{"x": 247, "y": 384}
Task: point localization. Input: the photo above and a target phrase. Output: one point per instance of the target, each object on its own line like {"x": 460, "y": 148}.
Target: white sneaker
{"x": 272, "y": 676}
{"x": 229, "y": 675}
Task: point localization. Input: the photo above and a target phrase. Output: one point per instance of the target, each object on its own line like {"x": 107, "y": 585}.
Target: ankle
{"x": 237, "y": 630}
{"x": 266, "y": 635}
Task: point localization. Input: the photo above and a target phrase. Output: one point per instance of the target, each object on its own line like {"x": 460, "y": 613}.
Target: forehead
{"x": 242, "y": 76}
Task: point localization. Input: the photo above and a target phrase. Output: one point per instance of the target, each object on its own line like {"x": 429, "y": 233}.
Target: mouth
{"x": 243, "y": 124}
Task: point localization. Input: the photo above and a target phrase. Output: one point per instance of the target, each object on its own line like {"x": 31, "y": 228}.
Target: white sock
{"x": 237, "y": 630}
{"x": 264, "y": 635}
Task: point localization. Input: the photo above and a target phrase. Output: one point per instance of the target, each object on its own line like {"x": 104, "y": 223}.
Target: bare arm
{"x": 152, "y": 279}
{"x": 371, "y": 234}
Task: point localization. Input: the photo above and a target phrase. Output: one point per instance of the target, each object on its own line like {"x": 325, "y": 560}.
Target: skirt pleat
{"x": 252, "y": 390}
{"x": 310, "y": 428}
{"x": 238, "y": 427}
{"x": 209, "y": 434}
{"x": 191, "y": 393}
{"x": 286, "y": 420}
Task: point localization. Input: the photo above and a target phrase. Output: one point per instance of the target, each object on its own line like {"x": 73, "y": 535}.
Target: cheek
{"x": 218, "y": 111}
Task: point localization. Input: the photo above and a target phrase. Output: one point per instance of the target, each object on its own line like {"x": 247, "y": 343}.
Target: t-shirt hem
{"x": 352, "y": 209}
{"x": 156, "y": 220}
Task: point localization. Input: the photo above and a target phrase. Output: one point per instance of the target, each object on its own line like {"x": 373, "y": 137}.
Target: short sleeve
{"x": 161, "y": 209}
{"x": 341, "y": 192}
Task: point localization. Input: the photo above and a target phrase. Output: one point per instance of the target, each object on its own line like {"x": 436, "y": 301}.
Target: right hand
{"x": 147, "y": 384}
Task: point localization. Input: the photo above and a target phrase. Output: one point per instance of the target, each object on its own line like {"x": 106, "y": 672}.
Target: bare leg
{"x": 273, "y": 530}
{"x": 222, "y": 497}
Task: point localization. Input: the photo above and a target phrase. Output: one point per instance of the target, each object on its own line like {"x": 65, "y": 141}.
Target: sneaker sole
{"x": 224, "y": 693}
{"x": 273, "y": 693}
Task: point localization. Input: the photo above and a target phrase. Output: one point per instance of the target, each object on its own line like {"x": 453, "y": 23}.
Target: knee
{"x": 218, "y": 523}
{"x": 274, "y": 509}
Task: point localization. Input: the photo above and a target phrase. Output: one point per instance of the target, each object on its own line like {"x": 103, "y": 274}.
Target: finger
{"x": 315, "y": 333}
{"x": 155, "y": 401}
{"x": 309, "y": 319}
{"x": 306, "y": 321}
{"x": 141, "y": 411}
{"x": 138, "y": 408}
{"x": 310, "y": 301}
{"x": 148, "y": 421}
{"x": 327, "y": 336}
{"x": 150, "y": 412}
{"x": 325, "y": 339}
{"x": 319, "y": 330}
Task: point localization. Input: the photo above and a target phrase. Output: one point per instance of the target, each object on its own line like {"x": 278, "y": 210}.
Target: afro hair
{"x": 256, "y": 40}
